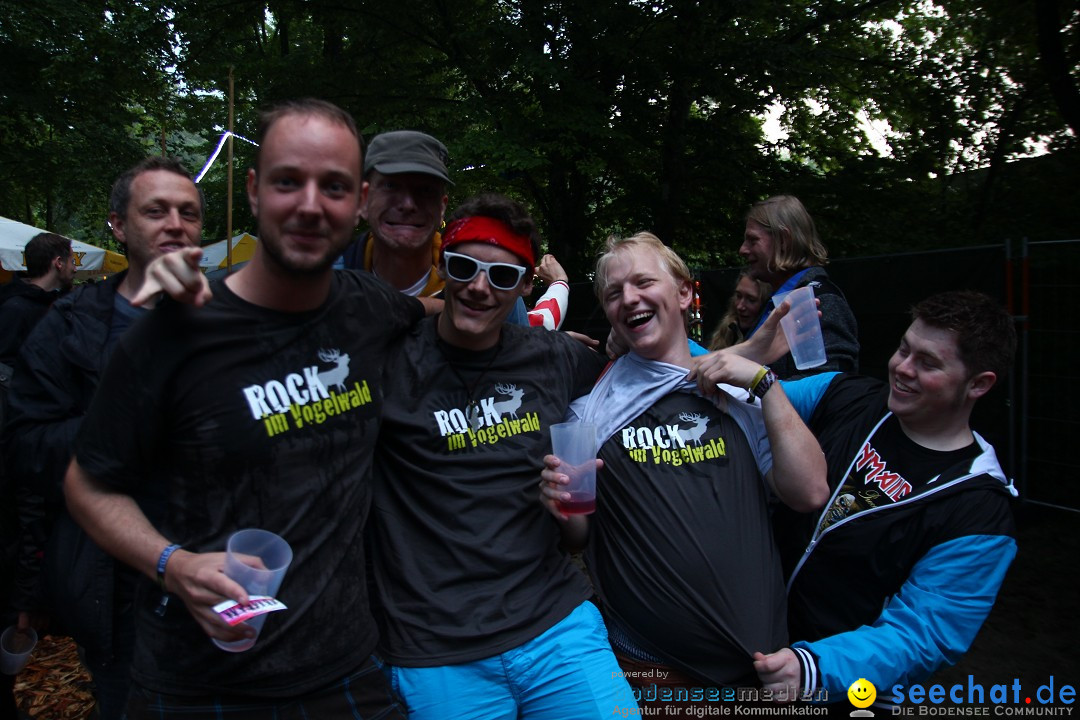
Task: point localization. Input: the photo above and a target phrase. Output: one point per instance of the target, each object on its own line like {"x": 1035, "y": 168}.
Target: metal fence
{"x": 1049, "y": 409}
{"x": 1033, "y": 417}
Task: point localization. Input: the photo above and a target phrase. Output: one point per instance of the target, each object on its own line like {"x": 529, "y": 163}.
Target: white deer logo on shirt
{"x": 509, "y": 407}
{"x": 694, "y": 433}
{"x": 334, "y": 377}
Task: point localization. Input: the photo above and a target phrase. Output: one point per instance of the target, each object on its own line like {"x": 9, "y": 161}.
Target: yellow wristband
{"x": 764, "y": 380}
{"x": 757, "y": 378}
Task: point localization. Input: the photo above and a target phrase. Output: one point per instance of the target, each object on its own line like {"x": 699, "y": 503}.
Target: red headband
{"x": 481, "y": 229}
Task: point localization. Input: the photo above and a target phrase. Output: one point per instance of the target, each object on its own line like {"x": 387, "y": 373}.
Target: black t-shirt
{"x": 235, "y": 416}
{"x": 466, "y": 559}
{"x": 681, "y": 549}
{"x": 840, "y": 578}
{"x": 889, "y": 467}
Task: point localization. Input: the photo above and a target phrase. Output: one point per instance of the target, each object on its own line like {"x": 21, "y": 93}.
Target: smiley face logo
{"x": 862, "y": 693}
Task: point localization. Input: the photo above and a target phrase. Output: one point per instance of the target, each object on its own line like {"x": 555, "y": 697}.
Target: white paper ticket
{"x": 234, "y": 613}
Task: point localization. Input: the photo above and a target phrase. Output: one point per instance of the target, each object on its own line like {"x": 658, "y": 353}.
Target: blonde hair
{"x": 728, "y": 332}
{"x": 796, "y": 244}
{"x": 668, "y": 257}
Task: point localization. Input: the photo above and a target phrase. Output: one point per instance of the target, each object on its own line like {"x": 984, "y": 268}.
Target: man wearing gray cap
{"x": 403, "y": 199}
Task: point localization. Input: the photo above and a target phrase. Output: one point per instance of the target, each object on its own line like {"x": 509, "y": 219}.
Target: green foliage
{"x": 603, "y": 117}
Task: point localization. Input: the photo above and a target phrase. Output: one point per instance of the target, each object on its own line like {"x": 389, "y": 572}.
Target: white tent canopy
{"x": 88, "y": 258}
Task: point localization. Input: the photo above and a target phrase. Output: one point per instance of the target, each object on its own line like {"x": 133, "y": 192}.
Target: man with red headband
{"x": 479, "y": 609}
{"x": 403, "y": 200}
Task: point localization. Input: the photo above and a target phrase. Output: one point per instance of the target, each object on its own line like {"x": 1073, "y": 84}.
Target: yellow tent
{"x": 214, "y": 255}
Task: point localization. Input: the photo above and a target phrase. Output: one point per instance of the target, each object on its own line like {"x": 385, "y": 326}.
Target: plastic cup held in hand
{"x": 574, "y": 443}
{"x": 802, "y": 328}
{"x": 15, "y": 648}
{"x": 243, "y": 554}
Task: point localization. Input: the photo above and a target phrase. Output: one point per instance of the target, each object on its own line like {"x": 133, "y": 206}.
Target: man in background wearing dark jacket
{"x": 154, "y": 208}
{"x": 50, "y": 268}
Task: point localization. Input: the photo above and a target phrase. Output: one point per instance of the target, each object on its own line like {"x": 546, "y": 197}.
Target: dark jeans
{"x": 364, "y": 695}
{"x": 7, "y": 697}
{"x": 111, "y": 671}
{"x": 112, "y": 678}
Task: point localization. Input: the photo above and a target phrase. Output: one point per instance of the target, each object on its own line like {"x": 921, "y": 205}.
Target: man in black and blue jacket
{"x": 893, "y": 578}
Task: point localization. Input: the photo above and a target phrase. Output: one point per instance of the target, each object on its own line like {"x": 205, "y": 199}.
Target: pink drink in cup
{"x": 574, "y": 443}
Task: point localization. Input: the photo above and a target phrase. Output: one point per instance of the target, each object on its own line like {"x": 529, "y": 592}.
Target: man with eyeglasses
{"x": 479, "y": 608}
{"x": 403, "y": 199}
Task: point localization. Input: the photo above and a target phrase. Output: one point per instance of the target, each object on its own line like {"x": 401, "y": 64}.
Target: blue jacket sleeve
{"x": 805, "y": 394}
{"x": 929, "y": 624}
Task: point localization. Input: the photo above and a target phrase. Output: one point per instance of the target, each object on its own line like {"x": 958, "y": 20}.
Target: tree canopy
{"x": 602, "y": 117}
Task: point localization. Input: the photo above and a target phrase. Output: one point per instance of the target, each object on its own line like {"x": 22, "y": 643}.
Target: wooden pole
{"x": 229, "y": 184}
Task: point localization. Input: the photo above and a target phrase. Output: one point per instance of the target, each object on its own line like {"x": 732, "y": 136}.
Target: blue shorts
{"x": 568, "y": 671}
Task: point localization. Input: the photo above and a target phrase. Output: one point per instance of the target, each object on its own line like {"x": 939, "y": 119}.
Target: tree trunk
{"x": 1055, "y": 64}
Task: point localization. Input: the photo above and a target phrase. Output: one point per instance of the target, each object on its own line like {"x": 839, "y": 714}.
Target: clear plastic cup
{"x": 246, "y": 548}
{"x": 15, "y": 648}
{"x": 802, "y": 328}
{"x": 574, "y": 443}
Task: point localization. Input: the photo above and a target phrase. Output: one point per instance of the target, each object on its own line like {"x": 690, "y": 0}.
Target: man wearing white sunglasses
{"x": 404, "y": 200}
{"x": 479, "y": 609}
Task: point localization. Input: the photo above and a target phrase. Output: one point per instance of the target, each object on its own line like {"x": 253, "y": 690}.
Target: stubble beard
{"x": 279, "y": 259}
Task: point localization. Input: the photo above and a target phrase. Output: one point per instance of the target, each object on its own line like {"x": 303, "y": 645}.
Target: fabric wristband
{"x": 163, "y": 560}
{"x": 763, "y": 380}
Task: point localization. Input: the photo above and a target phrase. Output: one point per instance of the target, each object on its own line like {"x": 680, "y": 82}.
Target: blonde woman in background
{"x": 743, "y": 310}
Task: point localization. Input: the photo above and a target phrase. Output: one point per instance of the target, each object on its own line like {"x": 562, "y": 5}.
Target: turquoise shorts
{"x": 567, "y": 672}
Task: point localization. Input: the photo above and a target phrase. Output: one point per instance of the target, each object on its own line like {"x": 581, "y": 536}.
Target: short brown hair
{"x": 985, "y": 334}
{"x": 42, "y": 249}
{"x": 304, "y": 106}
{"x": 507, "y": 211}
{"x": 120, "y": 196}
